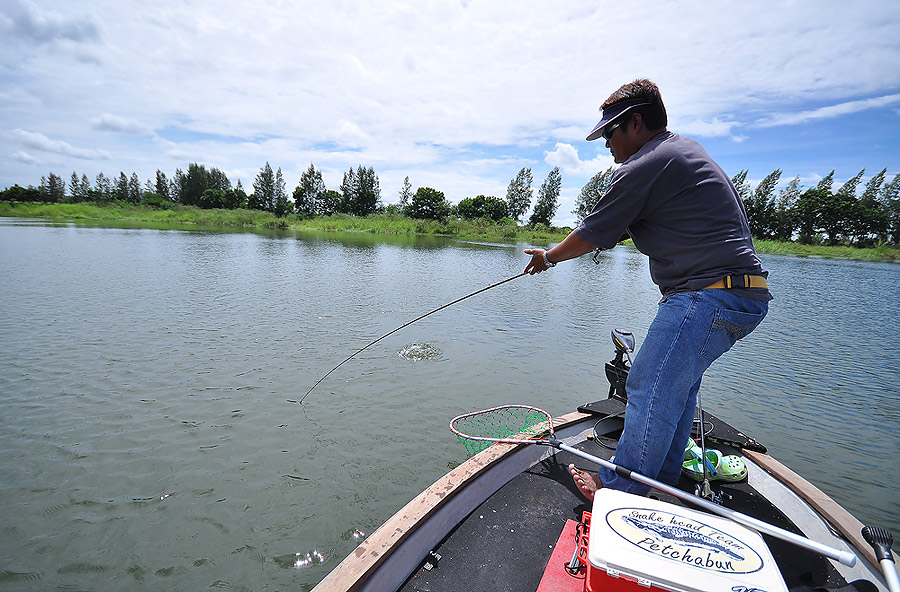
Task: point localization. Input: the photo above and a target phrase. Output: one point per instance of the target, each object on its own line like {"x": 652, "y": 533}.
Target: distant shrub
{"x": 155, "y": 200}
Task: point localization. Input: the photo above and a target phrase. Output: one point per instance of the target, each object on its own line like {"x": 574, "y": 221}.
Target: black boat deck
{"x": 505, "y": 544}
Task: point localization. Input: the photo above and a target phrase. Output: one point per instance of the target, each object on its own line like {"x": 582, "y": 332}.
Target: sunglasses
{"x": 608, "y": 132}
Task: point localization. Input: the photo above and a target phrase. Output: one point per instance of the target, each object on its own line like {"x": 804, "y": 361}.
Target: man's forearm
{"x": 571, "y": 247}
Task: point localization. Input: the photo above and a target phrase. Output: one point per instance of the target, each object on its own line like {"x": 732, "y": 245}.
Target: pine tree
{"x": 178, "y": 186}
{"x": 53, "y": 188}
{"x": 591, "y": 193}
{"x": 329, "y": 202}
{"x": 848, "y": 189}
{"x": 875, "y": 221}
{"x": 216, "y": 179}
{"x": 760, "y": 207}
{"x": 519, "y": 194}
{"x": 806, "y": 213}
{"x": 263, "y": 197}
{"x": 307, "y": 195}
{"x": 827, "y": 182}
{"x": 282, "y": 205}
{"x": 349, "y": 189}
{"x": 134, "y": 189}
{"x": 548, "y": 199}
{"x": 361, "y": 192}
{"x": 103, "y": 188}
{"x": 870, "y": 193}
{"x": 79, "y": 189}
{"x": 742, "y": 185}
{"x": 84, "y": 189}
{"x": 890, "y": 199}
{"x": 405, "y": 193}
{"x": 162, "y": 185}
{"x": 784, "y": 210}
{"x": 368, "y": 195}
{"x": 121, "y": 188}
{"x": 74, "y": 186}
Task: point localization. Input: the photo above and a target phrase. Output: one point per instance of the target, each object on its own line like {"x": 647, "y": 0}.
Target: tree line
{"x": 359, "y": 194}
{"x": 818, "y": 214}
{"x": 813, "y": 215}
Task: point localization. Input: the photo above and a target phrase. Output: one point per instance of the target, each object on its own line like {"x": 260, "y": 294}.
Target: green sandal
{"x": 692, "y": 452}
{"x": 732, "y": 469}
{"x": 725, "y": 468}
{"x": 693, "y": 469}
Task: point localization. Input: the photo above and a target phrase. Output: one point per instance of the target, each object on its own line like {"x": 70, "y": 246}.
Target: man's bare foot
{"x": 588, "y": 483}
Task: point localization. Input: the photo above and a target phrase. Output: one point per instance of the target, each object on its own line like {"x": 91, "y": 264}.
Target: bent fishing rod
{"x": 407, "y": 324}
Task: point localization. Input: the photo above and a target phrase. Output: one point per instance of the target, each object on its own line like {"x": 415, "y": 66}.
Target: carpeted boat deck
{"x": 505, "y": 544}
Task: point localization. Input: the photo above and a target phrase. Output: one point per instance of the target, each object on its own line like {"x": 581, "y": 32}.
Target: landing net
{"x": 514, "y": 424}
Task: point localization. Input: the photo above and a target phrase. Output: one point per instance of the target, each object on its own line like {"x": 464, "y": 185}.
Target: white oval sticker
{"x": 684, "y": 540}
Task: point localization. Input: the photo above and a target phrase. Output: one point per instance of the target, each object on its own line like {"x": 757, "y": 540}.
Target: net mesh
{"x": 512, "y": 422}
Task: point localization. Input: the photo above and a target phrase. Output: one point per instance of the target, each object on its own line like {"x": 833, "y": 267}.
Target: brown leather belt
{"x": 739, "y": 281}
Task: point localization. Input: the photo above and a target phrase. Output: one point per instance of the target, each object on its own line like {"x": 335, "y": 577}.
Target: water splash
{"x": 300, "y": 560}
{"x": 353, "y": 534}
{"x": 420, "y": 351}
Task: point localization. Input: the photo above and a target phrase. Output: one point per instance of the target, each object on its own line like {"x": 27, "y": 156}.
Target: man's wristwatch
{"x": 547, "y": 261}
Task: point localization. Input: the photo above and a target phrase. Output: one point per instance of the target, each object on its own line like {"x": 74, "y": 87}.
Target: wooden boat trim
{"x": 845, "y": 522}
{"x": 352, "y": 572}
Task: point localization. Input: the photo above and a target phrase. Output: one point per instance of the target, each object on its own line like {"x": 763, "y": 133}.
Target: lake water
{"x": 151, "y": 436}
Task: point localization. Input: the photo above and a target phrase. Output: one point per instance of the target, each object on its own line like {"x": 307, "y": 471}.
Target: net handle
{"x": 460, "y": 434}
{"x": 845, "y": 557}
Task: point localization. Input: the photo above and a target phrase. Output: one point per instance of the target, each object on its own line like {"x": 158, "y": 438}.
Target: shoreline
{"x": 186, "y": 218}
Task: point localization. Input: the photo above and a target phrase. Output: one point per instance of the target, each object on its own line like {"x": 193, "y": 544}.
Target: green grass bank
{"x": 187, "y": 216}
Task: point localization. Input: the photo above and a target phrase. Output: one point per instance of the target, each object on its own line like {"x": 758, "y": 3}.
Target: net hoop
{"x": 510, "y": 424}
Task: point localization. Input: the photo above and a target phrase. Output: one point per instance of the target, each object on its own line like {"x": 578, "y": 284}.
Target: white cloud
{"x": 23, "y": 156}
{"x": 28, "y": 21}
{"x": 349, "y": 134}
{"x": 456, "y": 94}
{"x": 710, "y": 129}
{"x": 113, "y": 123}
{"x": 39, "y": 141}
{"x": 828, "y": 112}
{"x": 565, "y": 156}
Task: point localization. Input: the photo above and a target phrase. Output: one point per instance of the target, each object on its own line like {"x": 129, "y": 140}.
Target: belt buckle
{"x": 737, "y": 281}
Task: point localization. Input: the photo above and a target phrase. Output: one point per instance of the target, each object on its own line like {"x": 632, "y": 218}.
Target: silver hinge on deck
{"x": 431, "y": 561}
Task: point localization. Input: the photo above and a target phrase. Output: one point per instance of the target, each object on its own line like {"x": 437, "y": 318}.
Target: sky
{"x": 458, "y": 95}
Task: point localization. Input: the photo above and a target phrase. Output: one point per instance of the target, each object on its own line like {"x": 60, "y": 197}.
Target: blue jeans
{"x": 690, "y": 331}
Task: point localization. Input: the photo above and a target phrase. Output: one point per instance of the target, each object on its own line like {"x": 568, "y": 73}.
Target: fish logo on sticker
{"x": 684, "y": 540}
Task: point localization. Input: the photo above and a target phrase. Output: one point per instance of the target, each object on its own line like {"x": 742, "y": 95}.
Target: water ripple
{"x": 136, "y": 364}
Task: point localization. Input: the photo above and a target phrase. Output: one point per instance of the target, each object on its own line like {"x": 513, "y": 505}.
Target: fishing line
{"x": 419, "y": 318}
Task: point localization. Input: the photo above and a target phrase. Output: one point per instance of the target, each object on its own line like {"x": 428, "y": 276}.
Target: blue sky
{"x": 457, "y": 95}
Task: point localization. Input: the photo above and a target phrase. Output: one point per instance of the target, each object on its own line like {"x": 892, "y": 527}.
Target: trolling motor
{"x": 617, "y": 368}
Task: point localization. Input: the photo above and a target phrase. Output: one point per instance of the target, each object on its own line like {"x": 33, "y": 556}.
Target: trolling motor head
{"x": 617, "y": 369}
{"x": 624, "y": 342}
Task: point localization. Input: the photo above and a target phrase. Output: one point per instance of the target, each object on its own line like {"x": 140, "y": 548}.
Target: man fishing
{"x": 682, "y": 211}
